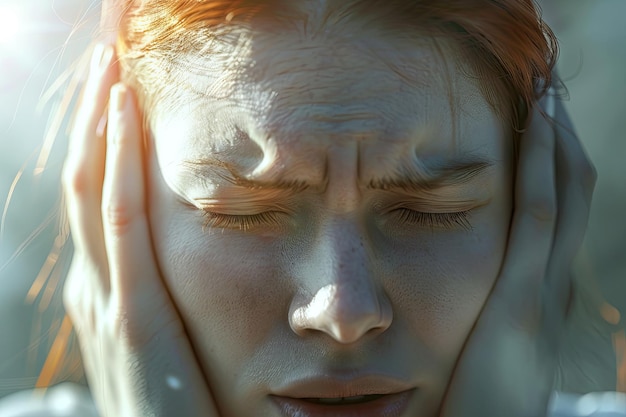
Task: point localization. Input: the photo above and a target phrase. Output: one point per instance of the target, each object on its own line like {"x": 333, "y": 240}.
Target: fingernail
{"x": 119, "y": 93}
{"x": 101, "y": 58}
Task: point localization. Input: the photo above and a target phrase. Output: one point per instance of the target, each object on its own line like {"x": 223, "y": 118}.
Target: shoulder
{"x": 595, "y": 404}
{"x": 64, "y": 400}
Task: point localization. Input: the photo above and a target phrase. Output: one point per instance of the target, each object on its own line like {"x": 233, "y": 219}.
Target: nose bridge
{"x": 347, "y": 251}
{"x": 347, "y": 302}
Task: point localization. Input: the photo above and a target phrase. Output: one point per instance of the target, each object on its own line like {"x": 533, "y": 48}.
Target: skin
{"x": 142, "y": 355}
{"x": 339, "y": 279}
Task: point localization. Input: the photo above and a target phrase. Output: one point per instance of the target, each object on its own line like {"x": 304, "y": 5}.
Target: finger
{"x": 127, "y": 236}
{"x": 575, "y": 182}
{"x": 532, "y": 228}
{"x": 566, "y": 133}
{"x": 152, "y": 331}
{"x": 84, "y": 167}
{"x": 112, "y": 12}
{"x": 516, "y": 296}
{"x": 584, "y": 171}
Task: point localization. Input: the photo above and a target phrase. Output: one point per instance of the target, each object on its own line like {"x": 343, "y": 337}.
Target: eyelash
{"x": 433, "y": 220}
{"x": 241, "y": 222}
{"x": 402, "y": 215}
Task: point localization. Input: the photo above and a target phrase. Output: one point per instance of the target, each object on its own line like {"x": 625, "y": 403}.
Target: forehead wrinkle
{"x": 300, "y": 156}
{"x": 270, "y": 87}
{"x": 285, "y": 103}
{"x": 271, "y": 53}
{"x": 330, "y": 60}
{"x": 334, "y": 102}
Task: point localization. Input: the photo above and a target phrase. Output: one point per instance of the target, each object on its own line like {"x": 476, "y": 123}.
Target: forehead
{"x": 298, "y": 94}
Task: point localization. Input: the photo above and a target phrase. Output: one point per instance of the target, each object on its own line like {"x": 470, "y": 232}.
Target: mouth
{"x": 357, "y": 399}
{"x": 370, "y": 396}
{"x": 376, "y": 405}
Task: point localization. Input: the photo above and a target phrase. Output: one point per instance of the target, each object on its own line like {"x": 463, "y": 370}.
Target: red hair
{"x": 506, "y": 42}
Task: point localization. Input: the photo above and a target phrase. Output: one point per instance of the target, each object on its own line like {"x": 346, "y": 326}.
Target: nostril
{"x": 347, "y": 334}
{"x": 346, "y": 317}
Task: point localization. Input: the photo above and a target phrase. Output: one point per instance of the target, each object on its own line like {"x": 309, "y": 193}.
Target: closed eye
{"x": 403, "y": 216}
{"x": 242, "y": 222}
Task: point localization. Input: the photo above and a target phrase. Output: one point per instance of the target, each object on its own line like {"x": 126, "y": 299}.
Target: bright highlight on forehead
{"x": 284, "y": 85}
{"x": 282, "y": 103}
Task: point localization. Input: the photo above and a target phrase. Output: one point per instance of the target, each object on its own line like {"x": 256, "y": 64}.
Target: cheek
{"x": 222, "y": 285}
{"x": 442, "y": 286}
{"x": 225, "y": 300}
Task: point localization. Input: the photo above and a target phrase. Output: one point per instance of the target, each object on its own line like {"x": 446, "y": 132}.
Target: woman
{"x": 323, "y": 208}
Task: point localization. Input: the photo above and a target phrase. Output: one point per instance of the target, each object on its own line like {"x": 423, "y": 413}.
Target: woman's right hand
{"x": 137, "y": 357}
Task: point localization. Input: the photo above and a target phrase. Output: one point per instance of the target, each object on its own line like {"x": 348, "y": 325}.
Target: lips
{"x": 388, "y": 405}
{"x": 369, "y": 396}
{"x": 344, "y": 400}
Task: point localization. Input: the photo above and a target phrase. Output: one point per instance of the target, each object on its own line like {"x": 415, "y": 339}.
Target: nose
{"x": 346, "y": 300}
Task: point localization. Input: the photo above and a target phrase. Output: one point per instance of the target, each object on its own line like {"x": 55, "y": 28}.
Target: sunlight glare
{"x": 9, "y": 24}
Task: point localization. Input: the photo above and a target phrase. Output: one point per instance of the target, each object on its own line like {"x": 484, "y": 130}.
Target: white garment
{"x": 595, "y": 404}
{"x": 63, "y": 400}
{"x": 71, "y": 400}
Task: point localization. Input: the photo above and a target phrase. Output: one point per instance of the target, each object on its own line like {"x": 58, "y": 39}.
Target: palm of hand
{"x": 508, "y": 365}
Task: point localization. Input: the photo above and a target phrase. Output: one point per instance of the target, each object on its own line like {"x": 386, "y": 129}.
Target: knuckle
{"x": 118, "y": 216}
{"x": 543, "y": 210}
{"x": 75, "y": 179}
{"x": 119, "y": 133}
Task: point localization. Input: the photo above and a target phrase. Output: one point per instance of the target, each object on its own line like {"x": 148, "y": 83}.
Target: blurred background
{"x": 34, "y": 51}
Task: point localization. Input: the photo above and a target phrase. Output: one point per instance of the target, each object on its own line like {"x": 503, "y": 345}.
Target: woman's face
{"x": 330, "y": 218}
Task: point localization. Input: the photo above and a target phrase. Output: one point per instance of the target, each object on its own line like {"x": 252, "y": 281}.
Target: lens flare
{"x": 9, "y": 24}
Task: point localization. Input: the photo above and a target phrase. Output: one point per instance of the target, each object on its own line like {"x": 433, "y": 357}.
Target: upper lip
{"x": 343, "y": 386}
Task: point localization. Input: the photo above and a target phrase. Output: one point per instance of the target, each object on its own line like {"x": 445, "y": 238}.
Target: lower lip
{"x": 392, "y": 405}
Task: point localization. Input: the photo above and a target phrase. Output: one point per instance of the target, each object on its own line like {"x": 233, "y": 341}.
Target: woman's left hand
{"x": 508, "y": 364}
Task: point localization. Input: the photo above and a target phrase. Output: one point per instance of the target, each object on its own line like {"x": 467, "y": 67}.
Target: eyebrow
{"x": 406, "y": 178}
{"x": 440, "y": 174}
{"x": 229, "y": 173}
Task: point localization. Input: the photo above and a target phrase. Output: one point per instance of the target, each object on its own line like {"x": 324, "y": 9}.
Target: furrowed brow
{"x": 413, "y": 178}
{"x": 449, "y": 173}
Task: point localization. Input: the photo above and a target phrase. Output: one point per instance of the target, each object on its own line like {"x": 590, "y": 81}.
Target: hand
{"x": 138, "y": 359}
{"x": 508, "y": 365}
